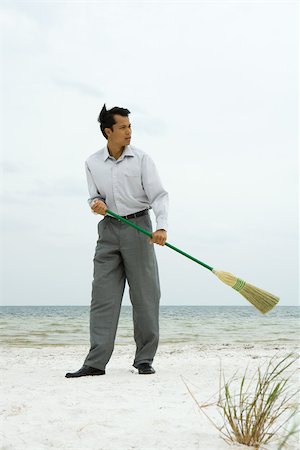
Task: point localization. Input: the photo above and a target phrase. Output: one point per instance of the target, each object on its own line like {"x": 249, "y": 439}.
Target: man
{"x": 125, "y": 180}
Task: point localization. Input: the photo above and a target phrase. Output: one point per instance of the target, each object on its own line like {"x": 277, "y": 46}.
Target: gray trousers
{"x": 124, "y": 253}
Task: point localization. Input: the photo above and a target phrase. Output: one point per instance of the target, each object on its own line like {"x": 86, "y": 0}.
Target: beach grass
{"x": 255, "y": 410}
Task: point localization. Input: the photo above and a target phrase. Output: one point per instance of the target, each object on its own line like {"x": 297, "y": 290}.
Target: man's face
{"x": 121, "y": 132}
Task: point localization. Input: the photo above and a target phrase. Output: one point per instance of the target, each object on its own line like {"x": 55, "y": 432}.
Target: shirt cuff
{"x": 161, "y": 224}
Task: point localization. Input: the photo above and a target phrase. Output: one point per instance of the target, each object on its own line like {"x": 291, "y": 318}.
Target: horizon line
{"x": 297, "y": 304}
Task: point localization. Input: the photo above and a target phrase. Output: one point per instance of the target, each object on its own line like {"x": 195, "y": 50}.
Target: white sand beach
{"x": 122, "y": 410}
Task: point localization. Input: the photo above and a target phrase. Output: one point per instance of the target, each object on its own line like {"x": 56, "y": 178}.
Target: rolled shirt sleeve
{"x": 157, "y": 195}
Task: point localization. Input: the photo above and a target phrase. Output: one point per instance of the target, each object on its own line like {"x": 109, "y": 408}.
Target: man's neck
{"x": 116, "y": 151}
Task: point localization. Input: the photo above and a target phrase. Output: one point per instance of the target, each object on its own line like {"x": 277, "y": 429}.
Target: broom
{"x": 261, "y": 300}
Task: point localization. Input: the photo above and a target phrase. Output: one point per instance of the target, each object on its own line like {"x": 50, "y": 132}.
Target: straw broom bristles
{"x": 261, "y": 300}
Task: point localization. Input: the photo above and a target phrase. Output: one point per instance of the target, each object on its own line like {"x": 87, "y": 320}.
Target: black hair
{"x": 106, "y": 117}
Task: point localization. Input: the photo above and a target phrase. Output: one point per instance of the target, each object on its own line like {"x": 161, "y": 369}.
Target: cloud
{"x": 11, "y": 167}
{"x": 64, "y": 187}
{"x": 82, "y": 88}
{"x": 151, "y": 126}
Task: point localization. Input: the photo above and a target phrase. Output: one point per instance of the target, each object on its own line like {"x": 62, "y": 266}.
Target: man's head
{"x": 115, "y": 125}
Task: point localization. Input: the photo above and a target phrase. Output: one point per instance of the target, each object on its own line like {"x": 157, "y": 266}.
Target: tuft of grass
{"x": 255, "y": 410}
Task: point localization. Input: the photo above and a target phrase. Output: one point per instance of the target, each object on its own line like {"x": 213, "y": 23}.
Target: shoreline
{"x": 291, "y": 345}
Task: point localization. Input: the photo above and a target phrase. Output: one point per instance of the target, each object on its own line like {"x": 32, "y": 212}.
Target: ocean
{"x": 39, "y": 326}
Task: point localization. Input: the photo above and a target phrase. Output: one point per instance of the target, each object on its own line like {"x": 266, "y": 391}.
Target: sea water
{"x": 38, "y": 326}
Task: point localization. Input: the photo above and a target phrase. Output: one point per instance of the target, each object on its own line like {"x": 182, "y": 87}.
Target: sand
{"x": 122, "y": 410}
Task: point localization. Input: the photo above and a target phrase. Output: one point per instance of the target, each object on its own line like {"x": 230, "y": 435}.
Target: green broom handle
{"x": 150, "y": 235}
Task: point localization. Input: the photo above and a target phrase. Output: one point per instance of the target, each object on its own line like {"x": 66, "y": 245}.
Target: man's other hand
{"x": 99, "y": 207}
{"x": 158, "y": 237}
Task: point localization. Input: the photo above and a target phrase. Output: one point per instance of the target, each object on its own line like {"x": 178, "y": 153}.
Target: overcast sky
{"x": 213, "y": 92}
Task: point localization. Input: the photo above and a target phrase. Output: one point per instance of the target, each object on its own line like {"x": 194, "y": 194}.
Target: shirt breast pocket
{"x": 133, "y": 183}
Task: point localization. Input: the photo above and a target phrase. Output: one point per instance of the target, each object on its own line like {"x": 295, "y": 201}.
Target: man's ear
{"x": 107, "y": 131}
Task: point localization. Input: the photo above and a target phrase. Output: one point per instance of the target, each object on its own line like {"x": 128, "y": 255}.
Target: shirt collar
{"x": 126, "y": 152}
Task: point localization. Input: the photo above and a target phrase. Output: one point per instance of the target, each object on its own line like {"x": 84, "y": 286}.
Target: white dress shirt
{"x": 128, "y": 184}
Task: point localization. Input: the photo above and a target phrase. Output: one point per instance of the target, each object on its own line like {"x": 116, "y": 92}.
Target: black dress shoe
{"x": 84, "y": 371}
{"x": 145, "y": 368}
